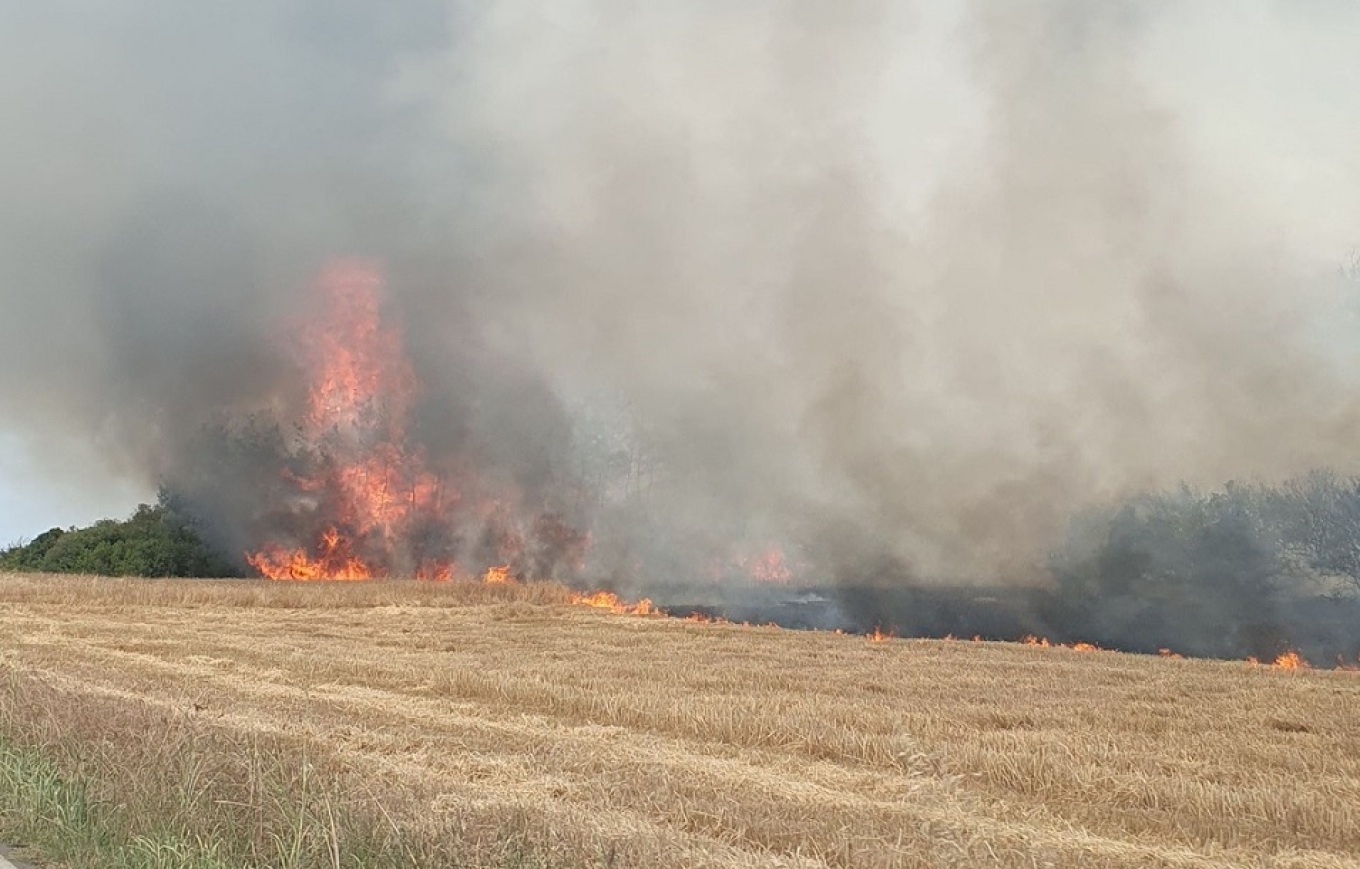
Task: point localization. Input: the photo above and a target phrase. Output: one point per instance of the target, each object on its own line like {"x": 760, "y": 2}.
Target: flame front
{"x": 370, "y": 483}
{"x": 368, "y": 503}
{"x": 332, "y": 560}
{"x": 1290, "y": 660}
{"x": 607, "y": 600}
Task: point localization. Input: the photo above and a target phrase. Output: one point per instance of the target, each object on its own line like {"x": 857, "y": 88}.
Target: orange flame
{"x": 333, "y": 560}
{"x": 373, "y": 490}
{"x": 701, "y": 618}
{"x": 362, "y": 380}
{"x": 357, "y": 408}
{"x": 499, "y": 575}
{"x": 879, "y": 636}
{"x": 1290, "y": 660}
{"x": 607, "y": 600}
{"x": 1045, "y": 643}
{"x": 436, "y": 571}
{"x": 770, "y": 566}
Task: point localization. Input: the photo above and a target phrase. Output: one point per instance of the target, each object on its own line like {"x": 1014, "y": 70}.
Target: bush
{"x": 154, "y": 541}
{"x": 1212, "y": 573}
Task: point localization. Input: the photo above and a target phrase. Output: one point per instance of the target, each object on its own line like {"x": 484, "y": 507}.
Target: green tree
{"x": 154, "y": 541}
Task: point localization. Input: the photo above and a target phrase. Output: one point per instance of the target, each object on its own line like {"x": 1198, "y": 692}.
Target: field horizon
{"x": 461, "y": 724}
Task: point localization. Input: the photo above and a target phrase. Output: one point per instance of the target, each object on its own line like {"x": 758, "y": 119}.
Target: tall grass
{"x": 115, "y": 784}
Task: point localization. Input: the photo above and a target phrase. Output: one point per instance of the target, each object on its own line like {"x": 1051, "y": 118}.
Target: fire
{"x": 369, "y": 482}
{"x": 360, "y": 369}
{"x": 368, "y": 503}
{"x": 333, "y": 560}
{"x": 1289, "y": 660}
{"x": 436, "y": 571}
{"x": 1045, "y": 643}
{"x": 770, "y": 566}
{"x": 702, "y": 619}
{"x": 607, "y": 600}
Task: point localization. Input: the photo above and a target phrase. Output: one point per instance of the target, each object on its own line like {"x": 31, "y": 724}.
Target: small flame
{"x": 437, "y": 571}
{"x": 498, "y": 575}
{"x": 1045, "y": 643}
{"x": 703, "y": 619}
{"x": 1290, "y": 660}
{"x": 770, "y": 567}
{"x": 607, "y": 600}
{"x": 879, "y": 636}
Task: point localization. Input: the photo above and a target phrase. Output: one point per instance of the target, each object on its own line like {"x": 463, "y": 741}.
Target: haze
{"x": 918, "y": 279}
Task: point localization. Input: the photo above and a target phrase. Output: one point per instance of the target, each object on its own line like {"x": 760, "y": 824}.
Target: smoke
{"x": 896, "y": 287}
{"x": 1073, "y": 308}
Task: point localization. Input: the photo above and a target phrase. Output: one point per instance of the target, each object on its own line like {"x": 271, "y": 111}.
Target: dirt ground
{"x": 683, "y": 744}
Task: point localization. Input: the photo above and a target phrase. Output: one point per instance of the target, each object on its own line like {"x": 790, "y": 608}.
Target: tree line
{"x": 155, "y": 541}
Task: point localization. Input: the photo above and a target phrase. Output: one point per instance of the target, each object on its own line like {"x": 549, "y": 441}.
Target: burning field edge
{"x": 497, "y": 585}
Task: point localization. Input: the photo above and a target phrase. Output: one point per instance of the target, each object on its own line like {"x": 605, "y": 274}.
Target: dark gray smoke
{"x": 895, "y": 288}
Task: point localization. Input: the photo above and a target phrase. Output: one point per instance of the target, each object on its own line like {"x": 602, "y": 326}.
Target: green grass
{"x": 110, "y": 786}
{"x": 55, "y": 816}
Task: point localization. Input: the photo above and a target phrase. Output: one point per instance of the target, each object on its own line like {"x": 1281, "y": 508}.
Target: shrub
{"x": 154, "y": 541}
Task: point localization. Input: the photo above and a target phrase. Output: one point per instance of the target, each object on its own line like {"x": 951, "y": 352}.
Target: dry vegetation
{"x": 398, "y": 724}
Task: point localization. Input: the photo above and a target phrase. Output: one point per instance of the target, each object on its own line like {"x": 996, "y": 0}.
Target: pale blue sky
{"x": 33, "y": 499}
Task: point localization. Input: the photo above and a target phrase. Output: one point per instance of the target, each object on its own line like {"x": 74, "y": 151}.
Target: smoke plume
{"x": 895, "y": 288}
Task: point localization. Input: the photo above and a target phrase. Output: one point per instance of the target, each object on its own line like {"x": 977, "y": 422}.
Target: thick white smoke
{"x": 906, "y": 283}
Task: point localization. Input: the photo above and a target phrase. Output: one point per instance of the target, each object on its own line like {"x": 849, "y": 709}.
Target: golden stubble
{"x": 670, "y": 743}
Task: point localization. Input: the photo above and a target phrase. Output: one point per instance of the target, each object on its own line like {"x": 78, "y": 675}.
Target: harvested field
{"x": 503, "y": 713}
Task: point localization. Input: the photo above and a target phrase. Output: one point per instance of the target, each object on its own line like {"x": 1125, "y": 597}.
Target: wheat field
{"x": 504, "y": 713}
